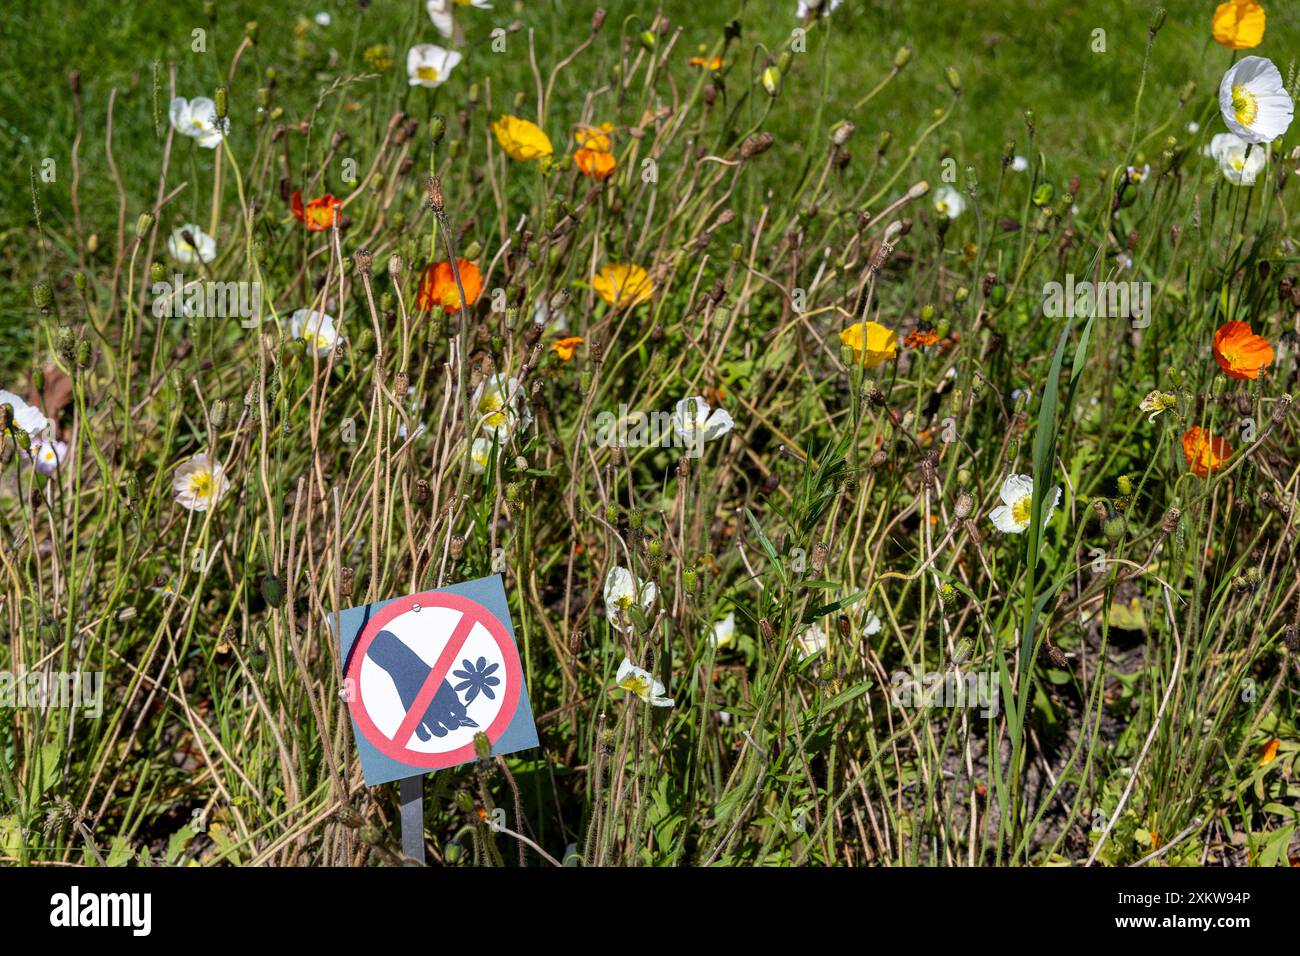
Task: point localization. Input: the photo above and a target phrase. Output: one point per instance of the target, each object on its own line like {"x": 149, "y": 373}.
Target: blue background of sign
{"x": 521, "y": 734}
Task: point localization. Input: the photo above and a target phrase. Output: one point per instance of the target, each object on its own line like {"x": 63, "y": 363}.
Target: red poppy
{"x": 319, "y": 214}
{"x": 439, "y": 286}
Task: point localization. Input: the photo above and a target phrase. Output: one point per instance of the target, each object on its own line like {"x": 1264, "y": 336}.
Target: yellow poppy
{"x": 712, "y": 63}
{"x": 623, "y": 285}
{"x": 594, "y": 137}
{"x": 871, "y": 342}
{"x": 1238, "y": 24}
{"x": 521, "y": 139}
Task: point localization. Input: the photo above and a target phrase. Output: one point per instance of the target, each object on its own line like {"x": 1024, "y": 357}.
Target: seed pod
{"x": 457, "y": 547}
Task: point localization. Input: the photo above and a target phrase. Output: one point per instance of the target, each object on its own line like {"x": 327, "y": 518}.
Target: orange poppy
{"x": 319, "y": 214}
{"x": 921, "y": 337}
{"x": 1240, "y": 352}
{"x": 713, "y": 63}
{"x": 1204, "y": 452}
{"x": 595, "y": 163}
{"x": 439, "y": 286}
{"x": 565, "y": 348}
{"x": 1270, "y": 752}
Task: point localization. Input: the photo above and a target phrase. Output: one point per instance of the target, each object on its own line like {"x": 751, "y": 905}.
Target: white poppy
{"x": 948, "y": 202}
{"x": 48, "y": 455}
{"x": 1019, "y": 164}
{"x": 544, "y": 316}
{"x": 622, "y": 590}
{"x": 25, "y": 417}
{"x": 1193, "y": 127}
{"x": 480, "y": 453}
{"x": 724, "y": 632}
{"x": 695, "y": 423}
{"x": 501, "y": 405}
{"x": 812, "y": 641}
{"x": 197, "y": 118}
{"x": 203, "y": 248}
{"x": 641, "y": 682}
{"x": 1016, "y": 511}
{"x": 429, "y": 65}
{"x": 872, "y": 625}
{"x": 1254, "y": 101}
{"x": 199, "y": 483}
{"x": 1240, "y": 161}
{"x": 323, "y": 19}
{"x": 316, "y": 329}
{"x": 806, "y": 7}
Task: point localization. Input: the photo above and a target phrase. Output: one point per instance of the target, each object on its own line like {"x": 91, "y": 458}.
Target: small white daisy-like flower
{"x": 1193, "y": 127}
{"x": 948, "y": 202}
{"x": 25, "y": 417}
{"x": 316, "y": 329}
{"x": 501, "y": 406}
{"x": 49, "y": 455}
{"x": 724, "y": 632}
{"x": 430, "y": 65}
{"x": 811, "y": 641}
{"x": 197, "y": 118}
{"x": 1019, "y": 164}
{"x": 199, "y": 483}
{"x": 1016, "y": 511}
{"x": 695, "y": 423}
{"x": 1254, "y": 100}
{"x": 198, "y": 247}
{"x": 323, "y": 19}
{"x": 622, "y": 591}
{"x": 1138, "y": 174}
{"x": 641, "y": 682}
{"x": 1240, "y": 162}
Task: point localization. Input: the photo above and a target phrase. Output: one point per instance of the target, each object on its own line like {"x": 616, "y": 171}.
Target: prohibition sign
{"x": 445, "y": 624}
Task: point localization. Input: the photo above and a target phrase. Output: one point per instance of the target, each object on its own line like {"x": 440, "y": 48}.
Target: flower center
{"x": 427, "y": 73}
{"x": 490, "y": 406}
{"x": 1022, "y": 509}
{"x": 636, "y": 684}
{"x": 201, "y": 484}
{"x": 1244, "y": 105}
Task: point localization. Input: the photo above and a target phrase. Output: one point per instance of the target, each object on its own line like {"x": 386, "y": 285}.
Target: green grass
{"x": 1136, "y": 647}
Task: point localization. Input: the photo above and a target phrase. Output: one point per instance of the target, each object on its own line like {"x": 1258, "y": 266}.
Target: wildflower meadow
{"x": 865, "y": 431}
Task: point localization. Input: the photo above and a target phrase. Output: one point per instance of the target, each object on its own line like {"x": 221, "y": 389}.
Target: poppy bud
{"x": 965, "y": 503}
{"x": 690, "y": 580}
{"x": 42, "y": 295}
{"x": 953, "y": 78}
{"x": 482, "y": 746}
{"x": 222, "y": 106}
{"x": 143, "y": 224}
{"x": 771, "y": 80}
{"x": 83, "y": 353}
{"x": 457, "y": 547}
{"x": 902, "y": 57}
{"x": 217, "y": 413}
{"x": 437, "y": 127}
{"x": 598, "y": 20}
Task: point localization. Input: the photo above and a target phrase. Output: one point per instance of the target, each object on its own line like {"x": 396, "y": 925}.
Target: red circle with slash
{"x": 472, "y": 613}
